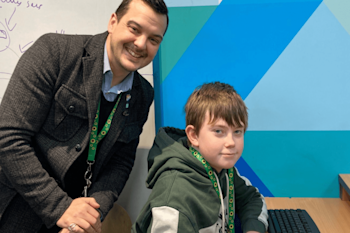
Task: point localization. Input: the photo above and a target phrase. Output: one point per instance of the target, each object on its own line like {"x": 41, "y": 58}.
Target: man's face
{"x": 220, "y": 144}
{"x": 133, "y": 41}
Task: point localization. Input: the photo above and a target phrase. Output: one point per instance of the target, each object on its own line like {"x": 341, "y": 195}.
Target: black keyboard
{"x": 290, "y": 221}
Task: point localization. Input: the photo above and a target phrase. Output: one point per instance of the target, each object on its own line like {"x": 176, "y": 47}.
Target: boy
{"x": 196, "y": 187}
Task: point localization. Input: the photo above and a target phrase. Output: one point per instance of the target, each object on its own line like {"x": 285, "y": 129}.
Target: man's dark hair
{"x": 157, "y": 5}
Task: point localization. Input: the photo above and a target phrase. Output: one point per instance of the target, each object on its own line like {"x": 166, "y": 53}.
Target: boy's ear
{"x": 191, "y": 135}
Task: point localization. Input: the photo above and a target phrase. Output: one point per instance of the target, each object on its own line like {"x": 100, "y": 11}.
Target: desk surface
{"x": 330, "y": 214}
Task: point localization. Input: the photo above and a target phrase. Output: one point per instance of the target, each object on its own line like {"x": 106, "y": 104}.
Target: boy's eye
{"x": 218, "y": 131}
{"x": 238, "y": 131}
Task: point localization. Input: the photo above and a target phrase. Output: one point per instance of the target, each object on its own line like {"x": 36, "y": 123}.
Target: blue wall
{"x": 290, "y": 62}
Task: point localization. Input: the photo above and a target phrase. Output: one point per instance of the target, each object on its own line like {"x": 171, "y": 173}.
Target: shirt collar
{"x": 106, "y": 65}
{"x": 124, "y": 86}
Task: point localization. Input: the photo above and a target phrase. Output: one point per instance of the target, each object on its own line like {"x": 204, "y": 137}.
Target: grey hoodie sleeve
{"x": 168, "y": 219}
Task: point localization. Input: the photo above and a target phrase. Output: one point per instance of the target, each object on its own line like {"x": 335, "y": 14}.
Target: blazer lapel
{"x": 93, "y": 74}
{"x": 93, "y": 82}
{"x": 119, "y": 121}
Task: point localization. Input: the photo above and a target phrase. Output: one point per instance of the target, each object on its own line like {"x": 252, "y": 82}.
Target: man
{"x": 61, "y": 137}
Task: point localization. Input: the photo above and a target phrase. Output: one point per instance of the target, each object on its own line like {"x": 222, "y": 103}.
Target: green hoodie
{"x": 183, "y": 198}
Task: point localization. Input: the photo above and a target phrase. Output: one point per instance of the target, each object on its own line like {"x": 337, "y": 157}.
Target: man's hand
{"x": 82, "y": 211}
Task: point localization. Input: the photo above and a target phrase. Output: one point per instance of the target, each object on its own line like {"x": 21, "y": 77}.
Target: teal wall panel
{"x": 299, "y": 163}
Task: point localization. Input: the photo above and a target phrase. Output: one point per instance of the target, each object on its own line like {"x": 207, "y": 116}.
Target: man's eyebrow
{"x": 139, "y": 26}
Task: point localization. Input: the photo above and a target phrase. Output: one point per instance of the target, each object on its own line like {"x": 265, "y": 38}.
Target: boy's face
{"x": 220, "y": 144}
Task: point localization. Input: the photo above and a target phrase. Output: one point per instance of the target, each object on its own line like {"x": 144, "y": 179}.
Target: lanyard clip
{"x": 87, "y": 177}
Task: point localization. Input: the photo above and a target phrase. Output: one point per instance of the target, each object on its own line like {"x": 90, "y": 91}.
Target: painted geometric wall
{"x": 290, "y": 62}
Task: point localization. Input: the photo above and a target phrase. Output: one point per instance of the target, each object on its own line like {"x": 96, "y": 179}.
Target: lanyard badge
{"x": 128, "y": 97}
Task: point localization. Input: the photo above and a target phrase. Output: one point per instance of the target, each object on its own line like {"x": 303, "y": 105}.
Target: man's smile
{"x": 133, "y": 53}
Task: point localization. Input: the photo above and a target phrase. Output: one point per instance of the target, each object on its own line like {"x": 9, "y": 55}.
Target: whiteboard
{"x": 22, "y": 22}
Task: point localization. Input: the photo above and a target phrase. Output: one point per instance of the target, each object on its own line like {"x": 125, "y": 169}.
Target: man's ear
{"x": 113, "y": 21}
{"x": 191, "y": 135}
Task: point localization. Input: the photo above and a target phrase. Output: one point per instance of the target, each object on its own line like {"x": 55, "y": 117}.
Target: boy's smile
{"x": 220, "y": 144}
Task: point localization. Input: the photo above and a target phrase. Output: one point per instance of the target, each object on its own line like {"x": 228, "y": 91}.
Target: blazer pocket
{"x": 67, "y": 114}
{"x": 130, "y": 132}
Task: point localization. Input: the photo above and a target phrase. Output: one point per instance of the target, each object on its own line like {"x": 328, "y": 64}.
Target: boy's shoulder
{"x": 174, "y": 186}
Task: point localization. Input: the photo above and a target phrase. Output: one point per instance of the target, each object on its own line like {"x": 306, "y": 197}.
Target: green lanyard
{"x": 95, "y": 139}
{"x": 212, "y": 177}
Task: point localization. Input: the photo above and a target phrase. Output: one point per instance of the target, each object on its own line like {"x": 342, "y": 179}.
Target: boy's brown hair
{"x": 221, "y": 101}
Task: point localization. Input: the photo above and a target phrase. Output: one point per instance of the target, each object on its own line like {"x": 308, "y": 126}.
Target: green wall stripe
{"x": 340, "y": 9}
{"x": 184, "y": 25}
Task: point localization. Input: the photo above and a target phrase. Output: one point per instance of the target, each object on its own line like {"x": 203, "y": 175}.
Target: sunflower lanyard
{"x": 211, "y": 175}
{"x": 94, "y": 140}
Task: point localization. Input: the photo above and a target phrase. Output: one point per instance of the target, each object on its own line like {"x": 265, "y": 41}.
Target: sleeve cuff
{"x": 101, "y": 214}
{"x": 254, "y": 225}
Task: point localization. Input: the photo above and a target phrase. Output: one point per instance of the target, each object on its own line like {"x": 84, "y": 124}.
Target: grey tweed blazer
{"x": 46, "y": 117}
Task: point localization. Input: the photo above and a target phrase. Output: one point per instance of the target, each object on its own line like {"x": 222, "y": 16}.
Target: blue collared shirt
{"x": 110, "y": 93}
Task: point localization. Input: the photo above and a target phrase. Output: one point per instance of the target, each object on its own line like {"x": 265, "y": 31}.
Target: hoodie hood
{"x": 170, "y": 151}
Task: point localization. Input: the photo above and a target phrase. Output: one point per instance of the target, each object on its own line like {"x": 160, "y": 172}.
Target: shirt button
{"x": 126, "y": 113}
{"x": 78, "y": 147}
{"x": 71, "y": 108}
